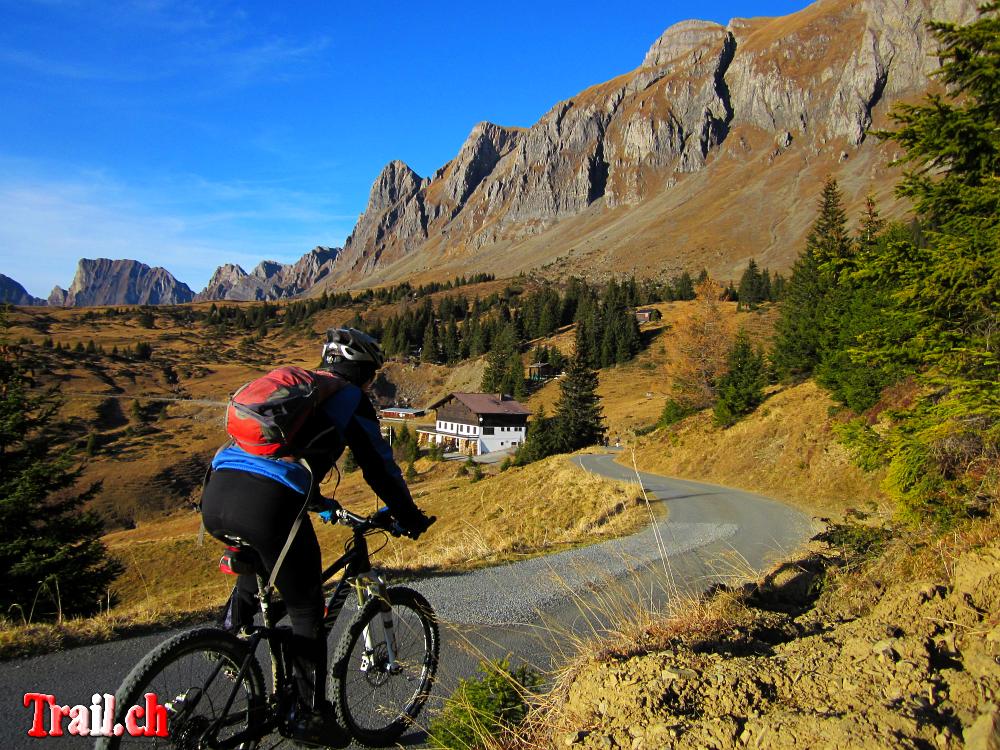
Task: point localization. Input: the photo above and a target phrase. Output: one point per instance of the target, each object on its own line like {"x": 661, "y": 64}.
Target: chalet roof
{"x": 485, "y": 403}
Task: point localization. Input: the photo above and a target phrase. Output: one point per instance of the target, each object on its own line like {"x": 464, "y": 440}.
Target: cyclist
{"x": 257, "y": 499}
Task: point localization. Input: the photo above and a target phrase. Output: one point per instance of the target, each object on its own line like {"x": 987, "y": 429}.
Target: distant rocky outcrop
{"x": 102, "y": 281}
{"x": 12, "y": 293}
{"x": 707, "y": 99}
{"x": 271, "y": 280}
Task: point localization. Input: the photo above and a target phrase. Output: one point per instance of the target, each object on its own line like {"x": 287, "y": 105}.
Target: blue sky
{"x": 192, "y": 133}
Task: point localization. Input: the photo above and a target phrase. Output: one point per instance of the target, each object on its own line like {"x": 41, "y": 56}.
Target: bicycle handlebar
{"x": 381, "y": 520}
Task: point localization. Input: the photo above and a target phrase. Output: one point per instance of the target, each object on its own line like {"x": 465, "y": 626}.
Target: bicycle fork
{"x": 371, "y": 658}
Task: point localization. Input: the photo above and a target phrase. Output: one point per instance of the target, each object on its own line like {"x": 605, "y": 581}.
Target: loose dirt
{"x": 915, "y": 664}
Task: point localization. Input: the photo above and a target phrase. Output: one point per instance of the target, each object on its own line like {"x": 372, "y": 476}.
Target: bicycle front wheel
{"x": 384, "y": 666}
{"x": 193, "y": 677}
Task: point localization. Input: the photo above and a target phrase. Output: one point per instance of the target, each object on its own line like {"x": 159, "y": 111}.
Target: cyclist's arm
{"x": 374, "y": 457}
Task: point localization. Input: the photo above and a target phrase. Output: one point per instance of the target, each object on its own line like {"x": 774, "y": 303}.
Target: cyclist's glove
{"x": 326, "y": 507}
{"x": 415, "y": 525}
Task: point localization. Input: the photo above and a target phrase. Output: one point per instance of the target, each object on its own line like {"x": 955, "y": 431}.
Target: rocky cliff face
{"x": 706, "y": 100}
{"x": 120, "y": 282}
{"x": 271, "y": 280}
{"x": 12, "y": 293}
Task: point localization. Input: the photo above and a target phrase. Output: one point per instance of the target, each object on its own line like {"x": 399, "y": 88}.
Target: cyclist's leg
{"x": 302, "y": 591}
{"x": 261, "y": 512}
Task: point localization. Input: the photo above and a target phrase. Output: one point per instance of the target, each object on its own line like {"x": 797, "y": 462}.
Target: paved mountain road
{"x": 527, "y": 608}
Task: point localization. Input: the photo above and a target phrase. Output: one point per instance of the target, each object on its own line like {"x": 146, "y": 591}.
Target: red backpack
{"x": 264, "y": 415}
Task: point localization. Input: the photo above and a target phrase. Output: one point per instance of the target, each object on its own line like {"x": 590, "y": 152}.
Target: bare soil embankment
{"x": 900, "y": 655}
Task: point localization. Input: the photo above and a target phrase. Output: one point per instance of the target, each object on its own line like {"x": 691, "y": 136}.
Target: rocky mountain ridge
{"x": 271, "y": 280}
{"x": 12, "y": 293}
{"x": 102, "y": 281}
{"x": 632, "y": 173}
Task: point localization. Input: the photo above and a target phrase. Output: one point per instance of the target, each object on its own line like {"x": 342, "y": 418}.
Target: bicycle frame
{"x": 357, "y": 574}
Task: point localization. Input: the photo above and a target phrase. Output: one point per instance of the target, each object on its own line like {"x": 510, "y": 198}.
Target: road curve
{"x": 710, "y": 534}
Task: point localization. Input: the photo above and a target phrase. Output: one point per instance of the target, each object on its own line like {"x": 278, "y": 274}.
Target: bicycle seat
{"x": 233, "y": 541}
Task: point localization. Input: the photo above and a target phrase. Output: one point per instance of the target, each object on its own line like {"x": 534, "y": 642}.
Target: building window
{"x": 487, "y": 430}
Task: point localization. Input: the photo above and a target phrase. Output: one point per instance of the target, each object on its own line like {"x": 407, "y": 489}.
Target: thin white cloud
{"x": 189, "y": 226}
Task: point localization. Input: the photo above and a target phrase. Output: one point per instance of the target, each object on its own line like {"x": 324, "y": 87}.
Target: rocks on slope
{"x": 815, "y": 77}
{"x": 102, "y": 281}
{"x": 12, "y": 293}
{"x": 271, "y": 280}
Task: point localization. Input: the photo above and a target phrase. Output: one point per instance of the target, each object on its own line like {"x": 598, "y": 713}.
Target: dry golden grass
{"x": 521, "y": 512}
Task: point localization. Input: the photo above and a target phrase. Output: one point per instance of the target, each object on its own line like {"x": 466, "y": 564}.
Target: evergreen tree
{"x": 541, "y": 440}
{"x": 504, "y": 371}
{"x": 451, "y": 347}
{"x": 942, "y": 453}
{"x": 474, "y": 334}
{"x": 579, "y": 421}
{"x": 854, "y": 306}
{"x": 428, "y": 351}
{"x": 683, "y": 286}
{"x": 751, "y": 291}
{"x": 741, "y": 389}
{"x": 800, "y": 325}
{"x": 513, "y": 378}
{"x": 51, "y": 552}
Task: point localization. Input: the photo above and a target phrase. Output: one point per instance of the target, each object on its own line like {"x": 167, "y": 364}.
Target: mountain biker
{"x": 257, "y": 499}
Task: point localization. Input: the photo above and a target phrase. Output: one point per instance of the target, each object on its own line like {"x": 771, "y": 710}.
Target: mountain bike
{"x": 212, "y": 689}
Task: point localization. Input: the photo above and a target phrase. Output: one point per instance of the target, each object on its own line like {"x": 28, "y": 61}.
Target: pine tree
{"x": 751, "y": 290}
{"x": 451, "y": 347}
{"x": 51, "y": 552}
{"x": 944, "y": 451}
{"x": 800, "y": 326}
{"x": 854, "y": 306}
{"x": 428, "y": 351}
{"x": 579, "y": 421}
{"x": 741, "y": 388}
{"x": 504, "y": 371}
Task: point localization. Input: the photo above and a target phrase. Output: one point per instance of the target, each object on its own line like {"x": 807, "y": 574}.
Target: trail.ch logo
{"x": 94, "y": 720}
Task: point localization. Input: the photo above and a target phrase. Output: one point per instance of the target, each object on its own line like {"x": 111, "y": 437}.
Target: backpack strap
{"x": 294, "y": 530}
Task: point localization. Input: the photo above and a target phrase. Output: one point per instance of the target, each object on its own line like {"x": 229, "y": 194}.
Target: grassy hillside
{"x": 633, "y": 394}
{"x": 786, "y": 450}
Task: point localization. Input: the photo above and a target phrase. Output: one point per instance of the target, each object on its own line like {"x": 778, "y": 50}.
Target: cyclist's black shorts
{"x": 261, "y": 512}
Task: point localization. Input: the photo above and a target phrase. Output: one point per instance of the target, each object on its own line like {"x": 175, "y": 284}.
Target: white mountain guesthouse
{"x": 475, "y": 423}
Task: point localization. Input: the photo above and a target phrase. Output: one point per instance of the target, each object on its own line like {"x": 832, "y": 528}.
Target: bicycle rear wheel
{"x": 376, "y": 702}
{"x": 193, "y": 676}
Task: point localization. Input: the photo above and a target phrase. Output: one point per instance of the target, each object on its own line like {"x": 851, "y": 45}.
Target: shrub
{"x": 741, "y": 389}
{"x": 673, "y": 412}
{"x": 484, "y": 707}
